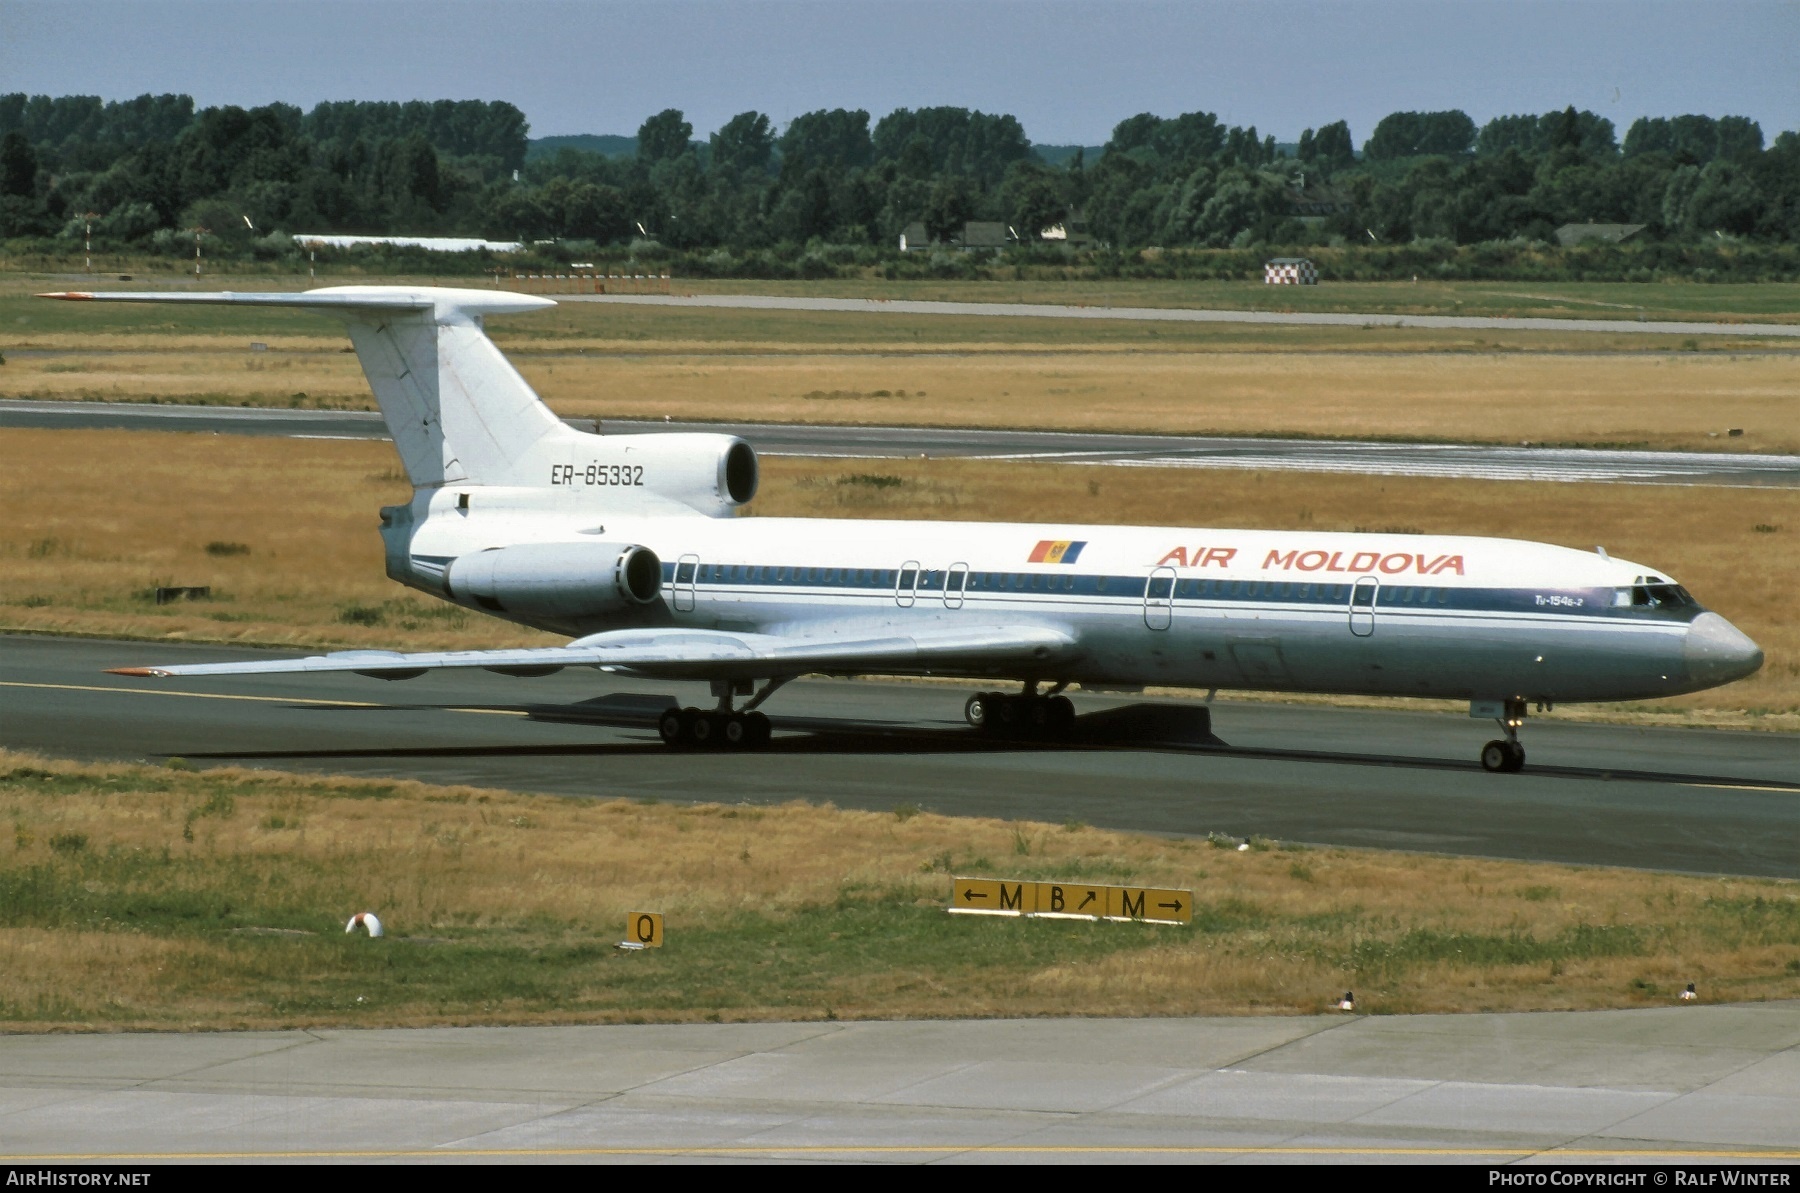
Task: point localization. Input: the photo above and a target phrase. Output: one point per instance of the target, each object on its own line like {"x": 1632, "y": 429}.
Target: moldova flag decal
{"x": 1056, "y": 551}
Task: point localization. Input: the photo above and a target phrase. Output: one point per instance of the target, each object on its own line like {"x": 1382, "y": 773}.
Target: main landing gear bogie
{"x": 1023, "y": 716}
{"x": 707, "y": 729}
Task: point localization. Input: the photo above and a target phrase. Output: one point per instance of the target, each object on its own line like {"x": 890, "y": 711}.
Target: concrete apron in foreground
{"x": 1660, "y": 1084}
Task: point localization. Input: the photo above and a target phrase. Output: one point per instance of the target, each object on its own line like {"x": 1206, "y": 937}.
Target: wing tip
{"x": 70, "y": 295}
{"x": 138, "y": 672}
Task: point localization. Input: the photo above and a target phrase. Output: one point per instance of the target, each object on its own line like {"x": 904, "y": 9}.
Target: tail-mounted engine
{"x": 558, "y": 581}
{"x": 713, "y": 474}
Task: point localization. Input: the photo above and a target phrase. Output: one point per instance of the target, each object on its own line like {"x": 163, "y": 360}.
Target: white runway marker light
{"x": 1689, "y": 994}
{"x": 1348, "y": 1002}
{"x": 367, "y": 921}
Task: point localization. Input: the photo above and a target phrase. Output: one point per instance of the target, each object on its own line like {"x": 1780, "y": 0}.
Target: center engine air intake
{"x": 558, "y": 580}
{"x": 711, "y": 474}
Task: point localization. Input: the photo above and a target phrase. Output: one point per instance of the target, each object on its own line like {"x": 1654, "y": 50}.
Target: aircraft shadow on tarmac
{"x": 1152, "y": 727}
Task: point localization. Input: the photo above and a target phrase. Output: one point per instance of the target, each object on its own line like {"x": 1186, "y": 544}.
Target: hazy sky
{"x": 1068, "y": 69}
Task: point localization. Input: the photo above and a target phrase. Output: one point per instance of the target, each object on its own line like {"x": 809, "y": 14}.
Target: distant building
{"x": 1573, "y": 234}
{"x": 983, "y": 234}
{"x": 433, "y": 244}
{"x": 976, "y": 235}
{"x": 1071, "y": 233}
{"x": 1290, "y": 271}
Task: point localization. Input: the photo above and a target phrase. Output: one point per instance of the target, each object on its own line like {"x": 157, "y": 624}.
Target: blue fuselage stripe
{"x": 1060, "y": 586}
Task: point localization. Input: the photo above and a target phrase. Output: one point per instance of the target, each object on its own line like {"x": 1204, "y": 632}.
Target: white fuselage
{"x": 1376, "y": 614}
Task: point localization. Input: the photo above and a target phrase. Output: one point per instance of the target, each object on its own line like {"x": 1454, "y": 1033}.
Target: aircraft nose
{"x": 1718, "y": 652}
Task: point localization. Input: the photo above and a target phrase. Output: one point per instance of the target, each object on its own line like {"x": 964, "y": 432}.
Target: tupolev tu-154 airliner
{"x": 628, "y": 544}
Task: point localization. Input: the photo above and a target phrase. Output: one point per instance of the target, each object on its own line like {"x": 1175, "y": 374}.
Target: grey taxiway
{"x": 1475, "y": 461}
{"x": 1661, "y": 1086}
{"x": 1692, "y": 800}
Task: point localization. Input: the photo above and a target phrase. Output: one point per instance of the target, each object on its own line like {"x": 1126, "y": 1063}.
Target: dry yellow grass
{"x": 1662, "y": 400}
{"x": 141, "y": 897}
{"x": 1675, "y": 400}
{"x": 96, "y": 517}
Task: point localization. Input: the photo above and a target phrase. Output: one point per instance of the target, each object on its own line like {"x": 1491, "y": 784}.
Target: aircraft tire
{"x": 1006, "y": 715}
{"x": 760, "y": 729}
{"x": 1060, "y": 711}
{"x": 670, "y": 727}
{"x": 1497, "y": 758}
{"x": 1515, "y": 758}
{"x": 978, "y": 711}
{"x": 735, "y": 731}
{"x": 702, "y": 729}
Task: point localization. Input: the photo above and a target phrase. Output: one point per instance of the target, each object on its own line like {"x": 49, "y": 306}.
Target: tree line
{"x": 144, "y": 173}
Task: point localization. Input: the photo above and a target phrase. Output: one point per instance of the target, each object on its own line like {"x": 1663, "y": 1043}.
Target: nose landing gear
{"x": 1506, "y": 756}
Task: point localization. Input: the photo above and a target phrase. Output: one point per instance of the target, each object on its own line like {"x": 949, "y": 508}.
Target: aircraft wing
{"x": 326, "y": 300}
{"x": 691, "y": 654}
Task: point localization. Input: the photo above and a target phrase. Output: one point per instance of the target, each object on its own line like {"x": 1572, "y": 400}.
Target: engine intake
{"x": 713, "y": 474}
{"x": 558, "y": 580}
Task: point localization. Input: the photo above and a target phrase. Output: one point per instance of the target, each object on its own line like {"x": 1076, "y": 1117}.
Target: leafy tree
{"x": 1332, "y": 147}
{"x": 1412, "y": 134}
{"x": 666, "y": 134}
{"x": 1724, "y": 199}
{"x": 805, "y": 211}
{"x": 1538, "y": 135}
{"x": 18, "y": 166}
{"x": 1243, "y": 203}
{"x": 1033, "y": 198}
{"x": 1738, "y": 136}
{"x": 744, "y": 143}
{"x": 949, "y": 207}
{"x": 973, "y": 145}
{"x": 830, "y": 138}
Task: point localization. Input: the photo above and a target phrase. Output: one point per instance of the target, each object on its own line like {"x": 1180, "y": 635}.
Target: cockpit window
{"x": 1660, "y": 595}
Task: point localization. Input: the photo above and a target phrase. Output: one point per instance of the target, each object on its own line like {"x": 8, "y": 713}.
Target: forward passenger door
{"x": 686, "y": 569}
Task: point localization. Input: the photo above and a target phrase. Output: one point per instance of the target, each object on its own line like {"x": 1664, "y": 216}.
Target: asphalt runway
{"x": 1713, "y": 1084}
{"x": 1700, "y": 801}
{"x": 1023, "y": 310}
{"x": 1066, "y": 447}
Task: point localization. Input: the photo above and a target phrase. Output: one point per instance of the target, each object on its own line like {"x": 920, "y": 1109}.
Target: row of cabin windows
{"x": 718, "y": 573}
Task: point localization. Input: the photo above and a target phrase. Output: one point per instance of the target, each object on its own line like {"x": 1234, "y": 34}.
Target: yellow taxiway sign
{"x": 1070, "y": 900}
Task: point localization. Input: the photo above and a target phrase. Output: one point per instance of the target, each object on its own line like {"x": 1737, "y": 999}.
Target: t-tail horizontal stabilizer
{"x": 458, "y": 411}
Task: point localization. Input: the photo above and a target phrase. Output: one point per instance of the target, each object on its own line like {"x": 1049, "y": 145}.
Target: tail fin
{"x": 457, "y": 409}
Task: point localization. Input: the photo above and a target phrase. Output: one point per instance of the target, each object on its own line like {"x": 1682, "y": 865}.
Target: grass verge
{"x": 138, "y": 897}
